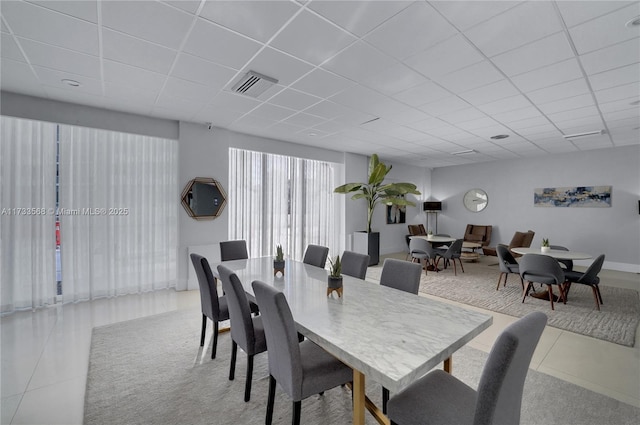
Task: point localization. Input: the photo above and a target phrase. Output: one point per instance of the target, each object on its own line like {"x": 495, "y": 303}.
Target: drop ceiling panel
{"x": 546, "y": 51}
{"x": 414, "y": 29}
{"x": 61, "y": 59}
{"x": 358, "y": 17}
{"x": 471, "y": 77}
{"x": 131, "y": 76}
{"x": 444, "y": 106}
{"x": 466, "y": 14}
{"x": 437, "y": 60}
{"x": 577, "y": 12}
{"x": 52, "y": 77}
{"x": 559, "y": 91}
{"x": 576, "y": 102}
{"x": 304, "y": 120}
{"x": 18, "y": 77}
{"x": 201, "y": 71}
{"x": 322, "y": 83}
{"x": 505, "y": 105}
{"x": 548, "y": 76}
{"x": 627, "y": 91}
{"x": 10, "y": 49}
{"x": 162, "y": 24}
{"x": 522, "y": 24}
{"x": 220, "y": 45}
{"x": 284, "y": 68}
{"x": 190, "y": 6}
{"x": 134, "y": 51}
{"x": 573, "y": 114}
{"x": 359, "y": 61}
{"x": 615, "y": 77}
{"x": 490, "y": 92}
{"x": 395, "y": 79}
{"x": 422, "y": 94}
{"x": 312, "y": 38}
{"x": 259, "y": 20}
{"x": 611, "y": 57}
{"x": 86, "y": 9}
{"x": 234, "y": 102}
{"x": 293, "y": 99}
{"x": 605, "y": 30}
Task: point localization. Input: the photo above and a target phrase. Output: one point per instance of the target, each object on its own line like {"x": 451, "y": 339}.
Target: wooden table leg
{"x": 448, "y": 365}
{"x": 358, "y": 397}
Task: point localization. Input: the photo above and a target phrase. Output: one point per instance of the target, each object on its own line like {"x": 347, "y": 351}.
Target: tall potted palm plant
{"x": 375, "y": 191}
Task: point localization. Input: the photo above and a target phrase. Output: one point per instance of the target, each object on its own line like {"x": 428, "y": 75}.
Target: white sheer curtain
{"x": 118, "y": 213}
{"x": 27, "y": 201}
{"x": 275, "y": 199}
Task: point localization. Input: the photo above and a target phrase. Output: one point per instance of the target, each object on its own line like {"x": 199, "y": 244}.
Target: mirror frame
{"x": 184, "y": 198}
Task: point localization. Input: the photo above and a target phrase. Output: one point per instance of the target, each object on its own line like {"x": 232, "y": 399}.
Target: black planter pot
{"x": 368, "y": 243}
{"x": 334, "y": 282}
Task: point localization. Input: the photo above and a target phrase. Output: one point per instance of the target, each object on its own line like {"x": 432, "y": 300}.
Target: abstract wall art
{"x": 575, "y": 197}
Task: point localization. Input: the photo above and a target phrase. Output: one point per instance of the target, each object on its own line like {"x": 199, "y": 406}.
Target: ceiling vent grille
{"x": 253, "y": 84}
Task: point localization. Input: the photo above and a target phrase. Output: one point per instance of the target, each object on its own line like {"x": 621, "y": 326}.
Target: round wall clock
{"x": 475, "y": 200}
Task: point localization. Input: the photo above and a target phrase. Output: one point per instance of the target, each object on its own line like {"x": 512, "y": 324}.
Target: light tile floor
{"x": 45, "y": 353}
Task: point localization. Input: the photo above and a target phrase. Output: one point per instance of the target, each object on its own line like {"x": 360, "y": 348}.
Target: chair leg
{"x": 215, "y": 339}
{"x": 270, "y": 400}
{"x": 204, "y": 328}
{"x": 500, "y": 280}
{"x": 526, "y": 290}
{"x": 247, "y": 385}
{"x": 595, "y": 296}
{"x": 232, "y": 365}
{"x": 550, "y": 296}
{"x": 455, "y": 272}
{"x": 385, "y": 399}
{"x": 521, "y": 282}
{"x": 461, "y": 266}
{"x": 599, "y": 294}
{"x": 295, "y": 420}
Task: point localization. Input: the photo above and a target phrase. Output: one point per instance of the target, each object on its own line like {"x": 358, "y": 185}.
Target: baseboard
{"x": 621, "y": 267}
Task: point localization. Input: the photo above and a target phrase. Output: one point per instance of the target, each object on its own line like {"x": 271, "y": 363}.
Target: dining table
{"x": 434, "y": 239}
{"x": 384, "y": 334}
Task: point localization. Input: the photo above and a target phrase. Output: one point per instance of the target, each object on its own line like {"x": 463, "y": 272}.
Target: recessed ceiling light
{"x": 72, "y": 83}
{"x": 635, "y": 22}
{"x": 499, "y": 136}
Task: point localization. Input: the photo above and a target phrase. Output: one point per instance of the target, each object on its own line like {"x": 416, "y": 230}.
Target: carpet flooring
{"x": 616, "y": 321}
{"x": 152, "y": 371}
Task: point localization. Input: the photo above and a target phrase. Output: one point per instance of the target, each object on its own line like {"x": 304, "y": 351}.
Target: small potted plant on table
{"x": 545, "y": 245}
{"x": 334, "y": 280}
{"x": 278, "y": 261}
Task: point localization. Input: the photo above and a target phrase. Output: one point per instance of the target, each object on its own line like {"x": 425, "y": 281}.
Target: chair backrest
{"x": 522, "y": 239}
{"x": 316, "y": 255}
{"x": 591, "y": 273}
{"x": 541, "y": 265}
{"x": 478, "y": 233}
{"x": 233, "y": 250}
{"x": 414, "y": 229}
{"x": 402, "y": 275}
{"x": 285, "y": 363}
{"x": 455, "y": 249}
{"x": 421, "y": 246}
{"x": 505, "y": 258}
{"x": 208, "y": 288}
{"x": 502, "y": 380}
{"x": 242, "y": 331}
{"x": 423, "y": 231}
{"x": 568, "y": 264}
{"x": 355, "y": 264}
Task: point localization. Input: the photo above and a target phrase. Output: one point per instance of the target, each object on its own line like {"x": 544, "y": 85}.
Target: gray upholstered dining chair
{"x": 400, "y": 274}
{"x": 405, "y": 276}
{"x": 542, "y": 269}
{"x": 316, "y": 255}
{"x": 246, "y": 331}
{"x": 508, "y": 265}
{"x": 589, "y": 278}
{"x": 441, "y": 399}
{"x": 355, "y": 264}
{"x": 301, "y": 368}
{"x": 452, "y": 254}
{"x": 568, "y": 264}
{"x": 421, "y": 250}
{"x": 213, "y": 307}
{"x": 233, "y": 250}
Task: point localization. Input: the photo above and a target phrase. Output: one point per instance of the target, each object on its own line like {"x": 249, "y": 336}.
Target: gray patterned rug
{"x": 616, "y": 321}
{"x": 152, "y": 371}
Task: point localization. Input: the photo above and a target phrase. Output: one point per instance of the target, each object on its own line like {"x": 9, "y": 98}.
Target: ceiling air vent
{"x": 253, "y": 84}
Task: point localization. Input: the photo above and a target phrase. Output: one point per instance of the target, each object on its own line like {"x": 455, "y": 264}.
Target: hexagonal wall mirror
{"x": 203, "y": 198}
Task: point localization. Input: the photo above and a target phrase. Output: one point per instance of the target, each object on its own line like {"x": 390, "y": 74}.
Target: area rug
{"x": 152, "y": 371}
{"x": 616, "y": 321}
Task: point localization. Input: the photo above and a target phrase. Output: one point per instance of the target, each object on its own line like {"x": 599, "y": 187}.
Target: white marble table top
{"x": 432, "y": 238}
{"x": 391, "y": 336}
{"x": 555, "y": 253}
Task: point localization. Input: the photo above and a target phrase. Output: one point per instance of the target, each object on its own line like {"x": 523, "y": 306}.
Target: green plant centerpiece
{"x": 334, "y": 280}
{"x": 375, "y": 191}
{"x": 278, "y": 261}
{"x": 545, "y": 247}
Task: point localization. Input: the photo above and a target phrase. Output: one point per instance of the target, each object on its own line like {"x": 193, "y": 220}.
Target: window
{"x": 276, "y": 199}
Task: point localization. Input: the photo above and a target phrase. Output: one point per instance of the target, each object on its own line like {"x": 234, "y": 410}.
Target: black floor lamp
{"x": 432, "y": 207}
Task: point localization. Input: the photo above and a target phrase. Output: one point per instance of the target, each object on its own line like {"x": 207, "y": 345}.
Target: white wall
{"x": 205, "y": 153}
{"x": 613, "y": 231}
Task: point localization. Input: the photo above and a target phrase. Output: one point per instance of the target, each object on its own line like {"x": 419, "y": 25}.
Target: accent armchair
{"x": 478, "y": 233}
{"x": 519, "y": 240}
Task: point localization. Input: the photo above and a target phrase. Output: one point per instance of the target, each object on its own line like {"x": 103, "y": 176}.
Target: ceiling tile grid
{"x": 412, "y": 81}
